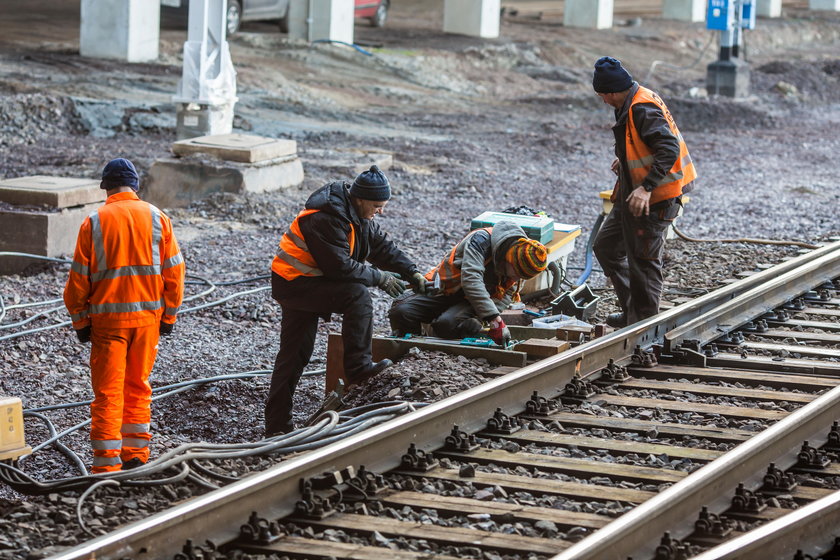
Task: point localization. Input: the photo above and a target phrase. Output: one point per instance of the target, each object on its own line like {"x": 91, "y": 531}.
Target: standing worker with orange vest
{"x": 654, "y": 169}
{"x": 125, "y": 286}
{"x": 321, "y": 267}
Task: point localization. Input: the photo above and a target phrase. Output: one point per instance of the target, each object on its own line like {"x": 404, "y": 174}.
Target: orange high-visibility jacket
{"x": 640, "y": 158}
{"x": 127, "y": 269}
{"x": 293, "y": 258}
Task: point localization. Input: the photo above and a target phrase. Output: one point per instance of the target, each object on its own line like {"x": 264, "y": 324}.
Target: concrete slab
{"x": 46, "y": 233}
{"x": 54, "y": 192}
{"x": 176, "y": 182}
{"x": 245, "y": 148}
{"x": 331, "y": 20}
{"x": 832, "y": 5}
{"x": 121, "y": 29}
{"x": 476, "y": 18}
{"x": 769, "y": 8}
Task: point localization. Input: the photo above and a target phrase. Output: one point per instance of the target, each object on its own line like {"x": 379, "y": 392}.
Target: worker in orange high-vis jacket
{"x": 328, "y": 258}
{"x": 125, "y": 286}
{"x": 654, "y": 168}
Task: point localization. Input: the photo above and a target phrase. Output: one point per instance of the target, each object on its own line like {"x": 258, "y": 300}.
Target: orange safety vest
{"x": 293, "y": 258}
{"x": 450, "y": 275}
{"x": 127, "y": 268}
{"x": 640, "y": 158}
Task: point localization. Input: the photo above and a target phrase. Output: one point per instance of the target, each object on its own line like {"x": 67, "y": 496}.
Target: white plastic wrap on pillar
{"x": 833, "y": 5}
{"x": 207, "y": 90}
{"x": 684, "y": 10}
{"x": 592, "y": 14}
{"x": 769, "y": 8}
{"x": 477, "y": 18}
{"x": 322, "y": 20}
{"x": 123, "y": 29}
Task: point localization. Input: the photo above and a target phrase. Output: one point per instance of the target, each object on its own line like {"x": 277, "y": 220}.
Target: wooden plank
{"x": 823, "y": 325}
{"x": 582, "y": 467}
{"x": 702, "y": 389}
{"x": 464, "y": 506}
{"x": 819, "y": 311}
{"x": 542, "y": 348}
{"x": 514, "y": 483}
{"x": 314, "y": 549}
{"x": 613, "y": 445}
{"x": 700, "y": 408}
{"x": 817, "y": 337}
{"x": 791, "y": 348}
{"x": 663, "y": 429}
{"x": 801, "y": 382}
{"x": 794, "y": 367}
{"x": 501, "y": 370}
{"x": 447, "y": 535}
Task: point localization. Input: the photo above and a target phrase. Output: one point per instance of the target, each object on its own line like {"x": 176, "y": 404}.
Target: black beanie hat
{"x": 119, "y": 173}
{"x": 610, "y": 76}
{"x": 371, "y": 185}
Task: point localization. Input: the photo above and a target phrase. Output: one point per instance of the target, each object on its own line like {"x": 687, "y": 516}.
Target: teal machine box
{"x": 535, "y": 227}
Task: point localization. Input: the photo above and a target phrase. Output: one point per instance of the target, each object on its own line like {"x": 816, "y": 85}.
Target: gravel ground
{"x": 472, "y": 125}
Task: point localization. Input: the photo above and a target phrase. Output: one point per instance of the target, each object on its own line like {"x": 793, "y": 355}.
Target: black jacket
{"x": 326, "y": 234}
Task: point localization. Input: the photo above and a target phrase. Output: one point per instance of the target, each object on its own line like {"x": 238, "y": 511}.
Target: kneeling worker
{"x": 478, "y": 279}
{"x": 321, "y": 268}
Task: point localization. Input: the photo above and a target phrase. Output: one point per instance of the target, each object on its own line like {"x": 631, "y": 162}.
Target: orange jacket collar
{"x": 122, "y": 196}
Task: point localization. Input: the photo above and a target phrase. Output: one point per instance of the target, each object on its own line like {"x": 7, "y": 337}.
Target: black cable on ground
{"x": 745, "y": 240}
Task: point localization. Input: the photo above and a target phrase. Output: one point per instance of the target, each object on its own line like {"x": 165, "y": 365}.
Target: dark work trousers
{"x": 450, "y": 316}
{"x": 629, "y": 250}
{"x": 303, "y": 301}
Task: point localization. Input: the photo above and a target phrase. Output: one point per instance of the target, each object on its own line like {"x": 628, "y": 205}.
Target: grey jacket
{"x": 478, "y": 281}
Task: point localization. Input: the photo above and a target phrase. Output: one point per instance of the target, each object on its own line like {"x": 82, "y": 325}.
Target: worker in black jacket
{"x": 332, "y": 252}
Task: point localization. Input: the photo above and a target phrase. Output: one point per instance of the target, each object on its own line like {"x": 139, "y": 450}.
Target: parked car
{"x": 375, "y": 11}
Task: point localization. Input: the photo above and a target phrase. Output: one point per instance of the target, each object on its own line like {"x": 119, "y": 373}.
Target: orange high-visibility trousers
{"x": 120, "y": 363}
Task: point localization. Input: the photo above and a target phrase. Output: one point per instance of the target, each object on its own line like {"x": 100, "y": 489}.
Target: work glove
{"x": 391, "y": 284}
{"x": 500, "y": 334}
{"x": 166, "y": 328}
{"x": 83, "y": 334}
{"x": 420, "y": 284}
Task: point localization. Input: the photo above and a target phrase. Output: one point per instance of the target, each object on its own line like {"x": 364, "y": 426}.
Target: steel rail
{"x": 273, "y": 493}
{"x": 810, "y": 529}
{"x": 757, "y": 301}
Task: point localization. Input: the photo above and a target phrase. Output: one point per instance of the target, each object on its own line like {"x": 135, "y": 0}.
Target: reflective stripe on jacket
{"x": 127, "y": 268}
{"x": 640, "y": 158}
{"x": 293, "y": 258}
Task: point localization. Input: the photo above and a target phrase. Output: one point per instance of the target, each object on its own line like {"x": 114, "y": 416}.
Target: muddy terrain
{"x": 472, "y": 125}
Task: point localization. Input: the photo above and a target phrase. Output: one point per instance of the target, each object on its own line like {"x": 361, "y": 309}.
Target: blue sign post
{"x": 729, "y": 75}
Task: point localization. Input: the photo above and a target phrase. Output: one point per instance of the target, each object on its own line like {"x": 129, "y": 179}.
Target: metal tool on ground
{"x": 580, "y": 302}
{"x": 333, "y": 401}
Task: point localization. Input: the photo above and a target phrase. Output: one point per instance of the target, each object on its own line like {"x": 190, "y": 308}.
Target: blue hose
{"x": 587, "y": 269}
{"x": 357, "y": 47}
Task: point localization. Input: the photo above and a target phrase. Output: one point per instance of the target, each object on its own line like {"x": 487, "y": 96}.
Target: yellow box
{"x": 12, "y": 442}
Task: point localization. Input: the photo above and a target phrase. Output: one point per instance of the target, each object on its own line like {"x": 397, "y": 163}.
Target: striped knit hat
{"x": 527, "y": 256}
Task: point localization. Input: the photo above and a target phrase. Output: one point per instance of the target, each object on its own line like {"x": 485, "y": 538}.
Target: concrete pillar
{"x": 478, "y": 18}
{"x": 592, "y": 14}
{"x": 322, "y": 20}
{"x": 768, "y": 8}
{"x": 831, "y": 5}
{"x": 684, "y": 10}
{"x": 207, "y": 90}
{"x": 123, "y": 29}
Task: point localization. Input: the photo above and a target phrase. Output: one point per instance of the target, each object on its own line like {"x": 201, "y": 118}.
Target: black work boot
{"x": 617, "y": 320}
{"x": 132, "y": 463}
{"x": 366, "y": 373}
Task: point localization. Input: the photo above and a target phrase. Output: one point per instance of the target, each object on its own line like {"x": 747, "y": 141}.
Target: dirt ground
{"x": 473, "y": 125}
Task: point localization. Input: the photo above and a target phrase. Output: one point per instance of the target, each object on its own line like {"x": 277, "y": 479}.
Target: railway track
{"x": 708, "y": 431}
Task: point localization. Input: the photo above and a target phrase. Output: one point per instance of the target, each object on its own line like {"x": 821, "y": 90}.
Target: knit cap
{"x": 528, "y": 257}
{"x": 371, "y": 185}
{"x": 610, "y": 76}
{"x": 119, "y": 173}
